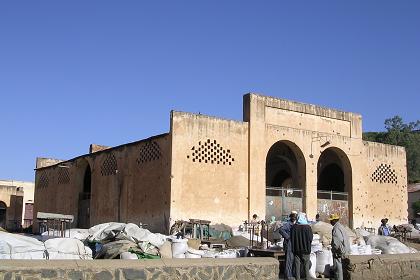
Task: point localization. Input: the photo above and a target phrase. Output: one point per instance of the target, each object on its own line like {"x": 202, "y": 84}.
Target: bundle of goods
{"x": 360, "y": 249}
{"x": 387, "y": 244}
{"x": 316, "y": 243}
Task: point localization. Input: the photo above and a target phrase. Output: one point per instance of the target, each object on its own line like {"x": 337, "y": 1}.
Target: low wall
{"x": 399, "y": 266}
{"x": 240, "y": 268}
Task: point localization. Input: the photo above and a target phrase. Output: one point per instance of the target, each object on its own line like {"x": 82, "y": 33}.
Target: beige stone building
{"x": 16, "y": 204}
{"x": 283, "y": 156}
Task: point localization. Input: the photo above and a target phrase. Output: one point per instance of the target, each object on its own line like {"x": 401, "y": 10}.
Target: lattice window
{"x": 211, "y": 152}
{"x": 43, "y": 180}
{"x": 63, "y": 176}
{"x": 109, "y": 165}
{"x": 384, "y": 174}
{"x": 149, "y": 151}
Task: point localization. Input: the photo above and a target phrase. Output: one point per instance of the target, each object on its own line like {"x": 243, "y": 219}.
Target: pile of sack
{"x": 16, "y": 246}
{"x": 128, "y": 241}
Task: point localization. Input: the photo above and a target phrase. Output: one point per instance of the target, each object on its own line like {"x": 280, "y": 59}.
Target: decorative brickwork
{"x": 63, "y": 176}
{"x": 211, "y": 152}
{"x": 43, "y": 180}
{"x": 149, "y": 151}
{"x": 384, "y": 174}
{"x": 109, "y": 165}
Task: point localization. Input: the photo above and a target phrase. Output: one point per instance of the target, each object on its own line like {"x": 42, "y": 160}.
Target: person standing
{"x": 287, "y": 247}
{"x": 340, "y": 245}
{"x": 301, "y": 238}
{"x": 384, "y": 229}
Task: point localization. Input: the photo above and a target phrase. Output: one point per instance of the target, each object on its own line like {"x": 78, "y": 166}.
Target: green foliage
{"x": 401, "y": 134}
{"x": 416, "y": 206}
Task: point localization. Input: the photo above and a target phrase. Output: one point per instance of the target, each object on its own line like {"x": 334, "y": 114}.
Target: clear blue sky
{"x": 108, "y": 72}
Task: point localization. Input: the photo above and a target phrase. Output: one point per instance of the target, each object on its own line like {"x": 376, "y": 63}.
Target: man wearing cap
{"x": 384, "y": 229}
{"x": 340, "y": 245}
{"x": 287, "y": 246}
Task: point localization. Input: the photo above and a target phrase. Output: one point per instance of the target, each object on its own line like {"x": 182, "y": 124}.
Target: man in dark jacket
{"x": 301, "y": 238}
{"x": 287, "y": 247}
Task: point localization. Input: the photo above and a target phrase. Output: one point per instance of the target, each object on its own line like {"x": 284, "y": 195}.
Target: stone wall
{"x": 384, "y": 182}
{"x": 209, "y": 169}
{"x": 400, "y": 266}
{"x": 128, "y": 183}
{"x": 241, "y": 268}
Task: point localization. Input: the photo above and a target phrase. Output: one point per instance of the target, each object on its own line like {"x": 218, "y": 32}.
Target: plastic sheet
{"x": 387, "y": 244}
{"x": 104, "y": 232}
{"x": 189, "y": 255}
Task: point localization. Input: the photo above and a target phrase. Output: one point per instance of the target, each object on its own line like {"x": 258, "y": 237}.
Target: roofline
{"x": 384, "y": 144}
{"x": 199, "y": 115}
{"x": 106, "y": 150}
{"x": 304, "y": 103}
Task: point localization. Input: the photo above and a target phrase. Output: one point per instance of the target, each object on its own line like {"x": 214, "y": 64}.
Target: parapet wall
{"x": 241, "y": 268}
{"x": 380, "y": 267}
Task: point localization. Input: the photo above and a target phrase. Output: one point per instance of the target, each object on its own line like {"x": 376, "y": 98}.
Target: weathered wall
{"x": 12, "y": 196}
{"x": 385, "y": 179}
{"x": 27, "y": 190}
{"x": 381, "y": 267}
{"x": 305, "y": 127}
{"x": 209, "y": 169}
{"x": 57, "y": 189}
{"x": 129, "y": 183}
{"x": 215, "y": 169}
{"x": 139, "y": 190}
{"x": 311, "y": 130}
{"x": 241, "y": 268}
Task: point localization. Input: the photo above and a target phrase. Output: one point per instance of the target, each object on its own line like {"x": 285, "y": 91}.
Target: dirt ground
{"x": 414, "y": 243}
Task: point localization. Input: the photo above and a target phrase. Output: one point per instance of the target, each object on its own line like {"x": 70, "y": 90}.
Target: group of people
{"x": 297, "y": 234}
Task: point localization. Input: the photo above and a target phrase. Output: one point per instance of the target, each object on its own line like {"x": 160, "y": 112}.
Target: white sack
{"x": 128, "y": 256}
{"x": 179, "y": 246}
{"x": 67, "y": 249}
{"x": 324, "y": 261}
{"x": 15, "y": 247}
{"x": 312, "y": 270}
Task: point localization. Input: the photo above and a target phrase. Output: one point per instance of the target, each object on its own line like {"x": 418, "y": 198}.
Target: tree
{"x": 402, "y": 134}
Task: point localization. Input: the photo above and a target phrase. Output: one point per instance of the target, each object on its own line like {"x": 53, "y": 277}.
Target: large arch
{"x": 334, "y": 185}
{"x": 285, "y": 180}
{"x": 83, "y": 219}
{"x": 3, "y": 212}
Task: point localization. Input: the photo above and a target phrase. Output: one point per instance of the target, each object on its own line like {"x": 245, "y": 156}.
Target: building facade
{"x": 16, "y": 204}
{"x": 283, "y": 156}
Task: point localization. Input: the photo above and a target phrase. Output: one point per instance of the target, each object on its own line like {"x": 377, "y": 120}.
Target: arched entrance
{"x": 84, "y": 197}
{"x": 3, "y": 209}
{"x": 285, "y": 180}
{"x": 334, "y": 185}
